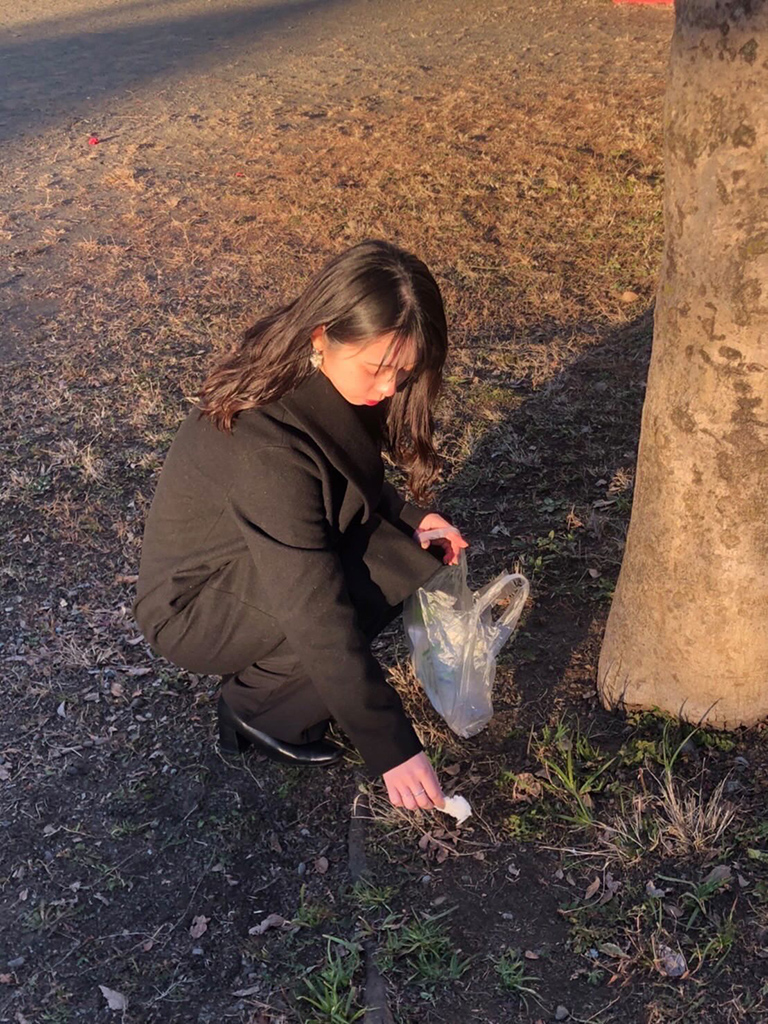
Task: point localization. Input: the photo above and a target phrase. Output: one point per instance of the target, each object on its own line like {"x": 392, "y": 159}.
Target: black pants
{"x": 277, "y": 696}
{"x": 221, "y": 631}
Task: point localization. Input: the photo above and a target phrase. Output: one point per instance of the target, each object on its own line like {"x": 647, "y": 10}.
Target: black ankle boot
{"x": 235, "y": 736}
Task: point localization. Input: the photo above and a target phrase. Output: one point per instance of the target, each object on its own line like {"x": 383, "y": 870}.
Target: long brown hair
{"x": 368, "y": 291}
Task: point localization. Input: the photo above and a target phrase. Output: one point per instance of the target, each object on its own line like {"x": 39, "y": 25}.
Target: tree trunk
{"x": 688, "y": 629}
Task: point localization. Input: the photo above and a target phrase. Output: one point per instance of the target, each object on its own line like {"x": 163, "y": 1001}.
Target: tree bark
{"x": 688, "y": 628}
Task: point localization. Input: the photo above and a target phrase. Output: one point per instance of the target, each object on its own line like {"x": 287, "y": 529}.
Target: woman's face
{"x": 363, "y": 373}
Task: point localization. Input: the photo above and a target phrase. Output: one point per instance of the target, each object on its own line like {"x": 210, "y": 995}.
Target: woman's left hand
{"x": 451, "y": 544}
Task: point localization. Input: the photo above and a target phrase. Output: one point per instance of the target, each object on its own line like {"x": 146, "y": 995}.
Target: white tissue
{"x": 458, "y": 807}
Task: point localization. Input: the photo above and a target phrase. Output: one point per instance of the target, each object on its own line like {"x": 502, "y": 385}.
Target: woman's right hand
{"x": 414, "y": 784}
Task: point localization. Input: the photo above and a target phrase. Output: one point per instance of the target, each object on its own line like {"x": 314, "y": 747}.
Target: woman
{"x": 274, "y": 550}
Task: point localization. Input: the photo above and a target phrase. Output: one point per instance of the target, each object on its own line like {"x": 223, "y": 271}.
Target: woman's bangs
{"x": 409, "y": 340}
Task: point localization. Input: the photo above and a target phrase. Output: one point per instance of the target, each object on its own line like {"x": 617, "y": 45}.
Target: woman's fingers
{"x": 414, "y": 784}
{"x": 409, "y": 800}
{"x": 434, "y": 793}
{"x": 451, "y": 542}
{"x": 394, "y": 796}
{"x": 446, "y": 544}
{"x": 426, "y": 788}
{"x": 423, "y": 793}
{"x": 452, "y": 547}
{"x": 458, "y": 544}
{"x": 426, "y": 797}
{"x": 423, "y": 799}
{"x": 417, "y": 796}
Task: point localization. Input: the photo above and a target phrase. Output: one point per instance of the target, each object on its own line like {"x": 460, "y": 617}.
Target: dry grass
{"x": 692, "y": 823}
{"x": 535, "y": 214}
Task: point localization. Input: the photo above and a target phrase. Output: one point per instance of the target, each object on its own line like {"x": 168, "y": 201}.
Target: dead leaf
{"x": 611, "y": 949}
{"x": 629, "y": 296}
{"x": 116, "y": 689}
{"x": 199, "y": 926}
{"x": 610, "y": 888}
{"x": 669, "y": 962}
{"x": 720, "y": 874}
{"x": 530, "y": 955}
{"x": 271, "y": 921}
{"x": 321, "y": 865}
{"x": 274, "y": 843}
{"x": 137, "y": 671}
{"x": 651, "y": 890}
{"x": 425, "y": 840}
{"x": 441, "y": 855}
{"x": 115, "y": 1000}
{"x": 592, "y": 888}
{"x": 6, "y": 979}
{"x": 527, "y": 788}
{"x": 452, "y": 769}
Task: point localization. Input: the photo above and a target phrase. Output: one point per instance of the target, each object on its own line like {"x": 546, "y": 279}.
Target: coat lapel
{"x": 344, "y": 433}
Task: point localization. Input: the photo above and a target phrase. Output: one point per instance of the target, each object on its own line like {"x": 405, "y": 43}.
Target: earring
{"x": 316, "y": 358}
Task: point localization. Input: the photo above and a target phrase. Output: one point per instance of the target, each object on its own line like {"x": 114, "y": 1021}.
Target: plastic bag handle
{"x": 518, "y": 588}
{"x": 443, "y": 531}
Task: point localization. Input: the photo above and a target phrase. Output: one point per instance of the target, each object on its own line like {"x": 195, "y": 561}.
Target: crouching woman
{"x": 275, "y": 551}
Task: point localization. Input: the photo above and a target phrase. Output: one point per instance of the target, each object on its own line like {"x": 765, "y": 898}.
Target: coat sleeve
{"x": 279, "y": 507}
{"x": 393, "y": 507}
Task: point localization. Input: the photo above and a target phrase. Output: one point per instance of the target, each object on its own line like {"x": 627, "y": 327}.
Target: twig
{"x": 189, "y": 904}
{"x": 377, "y": 1010}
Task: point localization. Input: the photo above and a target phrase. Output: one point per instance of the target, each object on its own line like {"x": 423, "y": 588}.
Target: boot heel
{"x": 236, "y": 735}
{"x": 230, "y": 740}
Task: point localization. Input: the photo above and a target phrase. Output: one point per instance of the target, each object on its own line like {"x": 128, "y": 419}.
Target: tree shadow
{"x": 58, "y": 69}
{"x": 550, "y": 488}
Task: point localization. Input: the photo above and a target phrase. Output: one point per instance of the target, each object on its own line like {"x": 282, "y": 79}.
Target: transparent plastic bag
{"x": 454, "y": 641}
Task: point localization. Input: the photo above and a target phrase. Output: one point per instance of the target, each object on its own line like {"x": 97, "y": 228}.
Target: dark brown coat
{"x": 285, "y": 528}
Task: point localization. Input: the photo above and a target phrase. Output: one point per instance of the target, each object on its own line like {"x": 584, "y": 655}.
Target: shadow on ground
{"x": 60, "y": 70}
{"x": 549, "y": 487}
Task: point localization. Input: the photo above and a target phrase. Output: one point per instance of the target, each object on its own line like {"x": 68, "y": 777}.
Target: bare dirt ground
{"x": 616, "y": 866}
